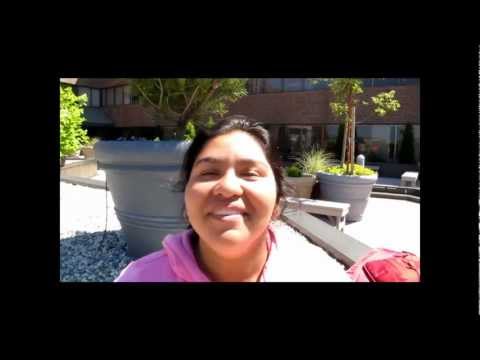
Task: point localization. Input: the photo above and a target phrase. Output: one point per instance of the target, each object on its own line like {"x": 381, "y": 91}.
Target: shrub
{"x": 294, "y": 171}
{"x": 357, "y": 170}
{"x": 72, "y": 136}
{"x": 314, "y": 160}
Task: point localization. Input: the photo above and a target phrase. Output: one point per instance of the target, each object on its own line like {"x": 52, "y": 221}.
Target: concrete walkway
{"x": 393, "y": 224}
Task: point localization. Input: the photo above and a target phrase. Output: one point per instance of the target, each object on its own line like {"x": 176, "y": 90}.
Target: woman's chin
{"x": 230, "y": 241}
{"x": 232, "y": 235}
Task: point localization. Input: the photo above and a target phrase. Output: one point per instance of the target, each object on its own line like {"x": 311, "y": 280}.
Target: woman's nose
{"x": 228, "y": 185}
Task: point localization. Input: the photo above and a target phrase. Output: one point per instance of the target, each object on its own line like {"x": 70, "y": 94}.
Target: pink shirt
{"x": 292, "y": 260}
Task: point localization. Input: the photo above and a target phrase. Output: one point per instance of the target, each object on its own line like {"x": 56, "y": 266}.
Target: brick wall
{"x": 305, "y": 108}
{"x": 312, "y": 107}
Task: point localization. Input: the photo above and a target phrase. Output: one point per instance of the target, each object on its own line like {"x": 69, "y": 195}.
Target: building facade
{"x": 295, "y": 111}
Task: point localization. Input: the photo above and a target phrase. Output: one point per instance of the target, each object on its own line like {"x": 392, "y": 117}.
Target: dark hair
{"x": 235, "y": 123}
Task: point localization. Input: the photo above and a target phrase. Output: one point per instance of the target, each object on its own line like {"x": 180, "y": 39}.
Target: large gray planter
{"x": 142, "y": 178}
{"x": 354, "y": 190}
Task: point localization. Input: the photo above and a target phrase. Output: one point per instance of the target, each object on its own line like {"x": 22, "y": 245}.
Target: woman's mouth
{"x": 228, "y": 215}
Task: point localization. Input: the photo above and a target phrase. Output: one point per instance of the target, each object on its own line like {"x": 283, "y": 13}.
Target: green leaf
{"x": 72, "y": 136}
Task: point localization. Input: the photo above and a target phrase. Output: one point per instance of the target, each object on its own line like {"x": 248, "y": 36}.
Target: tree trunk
{"x": 353, "y": 139}
{"x": 349, "y": 159}
{"x": 345, "y": 132}
{"x": 179, "y": 133}
{"x": 346, "y": 144}
{"x": 349, "y": 148}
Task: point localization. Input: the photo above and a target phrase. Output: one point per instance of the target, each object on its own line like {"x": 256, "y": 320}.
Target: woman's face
{"x": 231, "y": 193}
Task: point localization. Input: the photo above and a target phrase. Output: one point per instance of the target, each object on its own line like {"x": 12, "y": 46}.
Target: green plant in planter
{"x": 315, "y": 160}
{"x": 294, "y": 171}
{"x": 342, "y": 170}
{"x": 72, "y": 136}
{"x": 92, "y": 141}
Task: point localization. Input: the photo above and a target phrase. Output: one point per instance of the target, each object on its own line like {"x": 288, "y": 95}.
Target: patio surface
{"x": 388, "y": 223}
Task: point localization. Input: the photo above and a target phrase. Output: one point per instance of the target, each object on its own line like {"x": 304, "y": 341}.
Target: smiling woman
{"x": 233, "y": 184}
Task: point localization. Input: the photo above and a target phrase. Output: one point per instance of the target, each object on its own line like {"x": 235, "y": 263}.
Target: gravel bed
{"x": 87, "y": 252}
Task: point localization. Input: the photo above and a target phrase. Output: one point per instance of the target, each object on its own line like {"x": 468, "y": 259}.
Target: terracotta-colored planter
{"x": 88, "y": 152}
{"x": 303, "y": 185}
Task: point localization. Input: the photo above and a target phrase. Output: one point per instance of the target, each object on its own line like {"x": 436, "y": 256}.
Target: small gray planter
{"x": 142, "y": 177}
{"x": 354, "y": 190}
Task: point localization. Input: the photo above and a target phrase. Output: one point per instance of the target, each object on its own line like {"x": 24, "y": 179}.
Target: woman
{"x": 233, "y": 186}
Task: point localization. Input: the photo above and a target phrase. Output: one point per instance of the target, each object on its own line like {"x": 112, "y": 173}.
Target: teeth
{"x": 223, "y": 213}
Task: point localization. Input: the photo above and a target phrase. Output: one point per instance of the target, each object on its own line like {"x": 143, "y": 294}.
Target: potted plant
{"x": 301, "y": 185}
{"x": 301, "y": 175}
{"x": 72, "y": 136}
{"x": 349, "y": 182}
{"x": 88, "y": 150}
{"x": 142, "y": 174}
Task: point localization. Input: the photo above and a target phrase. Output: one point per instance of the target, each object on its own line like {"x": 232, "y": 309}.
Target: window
{"x": 408, "y": 81}
{"x": 367, "y": 82}
{"x": 293, "y": 84}
{"x": 118, "y": 95}
{"x": 104, "y": 97}
{"x": 376, "y": 142}
{"x": 110, "y": 96}
{"x": 300, "y": 139}
{"x": 273, "y": 85}
{"x": 316, "y": 84}
{"x": 416, "y": 140}
{"x": 385, "y": 82}
{"x": 331, "y": 139}
{"x": 251, "y": 86}
{"x": 126, "y": 95}
{"x": 84, "y": 90}
{"x": 95, "y": 97}
{"x": 135, "y": 99}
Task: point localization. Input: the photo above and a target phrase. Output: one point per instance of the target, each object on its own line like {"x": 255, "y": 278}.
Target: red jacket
{"x": 383, "y": 265}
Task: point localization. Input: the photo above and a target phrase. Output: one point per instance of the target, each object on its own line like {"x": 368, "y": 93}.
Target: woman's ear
{"x": 276, "y": 212}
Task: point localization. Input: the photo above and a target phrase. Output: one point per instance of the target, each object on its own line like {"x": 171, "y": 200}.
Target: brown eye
{"x": 251, "y": 174}
{"x": 208, "y": 173}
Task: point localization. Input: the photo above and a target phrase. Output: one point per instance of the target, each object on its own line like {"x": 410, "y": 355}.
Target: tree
{"x": 183, "y": 100}
{"x": 343, "y": 106}
{"x": 72, "y": 136}
{"x": 406, "y": 154}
